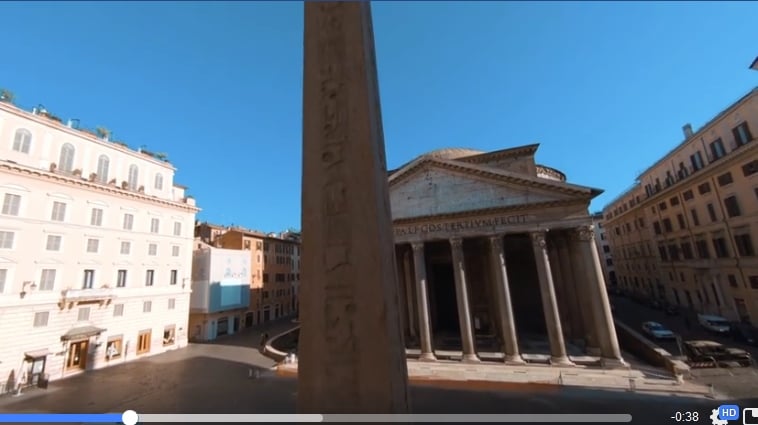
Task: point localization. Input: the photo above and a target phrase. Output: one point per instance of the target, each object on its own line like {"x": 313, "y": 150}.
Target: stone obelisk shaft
{"x": 351, "y": 352}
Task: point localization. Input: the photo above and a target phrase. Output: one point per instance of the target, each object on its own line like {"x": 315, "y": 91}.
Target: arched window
{"x": 133, "y": 177}
{"x": 66, "y": 162}
{"x": 159, "y": 181}
{"x": 102, "y": 168}
{"x": 22, "y": 142}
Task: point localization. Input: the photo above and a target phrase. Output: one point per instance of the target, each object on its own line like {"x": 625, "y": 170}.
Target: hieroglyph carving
{"x": 340, "y": 300}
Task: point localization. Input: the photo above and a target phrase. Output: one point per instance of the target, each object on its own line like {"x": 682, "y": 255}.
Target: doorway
{"x": 77, "y": 355}
{"x": 36, "y": 370}
{"x": 445, "y": 320}
{"x": 236, "y": 324}
{"x": 249, "y": 320}
{"x": 266, "y": 315}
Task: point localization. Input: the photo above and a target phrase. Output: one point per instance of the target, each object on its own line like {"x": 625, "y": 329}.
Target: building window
{"x": 680, "y": 219}
{"x": 114, "y": 347}
{"x": 711, "y": 212}
{"x": 744, "y": 245}
{"x": 89, "y": 279}
{"x": 750, "y": 168}
{"x": 719, "y": 247}
{"x": 608, "y": 262}
{"x": 96, "y": 219}
{"x": 149, "y": 277}
{"x": 732, "y": 207}
{"x": 687, "y": 195}
{"x": 121, "y": 278}
{"x": 174, "y": 277}
{"x": 674, "y": 201}
{"x": 53, "y": 243}
{"x": 3, "y": 279}
{"x": 753, "y": 282}
{"x": 662, "y": 206}
{"x": 22, "y": 141}
{"x": 143, "y": 341}
{"x": 172, "y": 303}
{"x": 177, "y": 228}
{"x": 59, "y": 211}
{"x": 702, "y": 249}
{"x": 147, "y": 306}
{"x": 133, "y": 177}
{"x": 704, "y": 188}
{"x": 697, "y": 161}
{"x": 606, "y": 249}
{"x": 732, "y": 280}
{"x": 687, "y": 251}
{"x": 695, "y": 219}
{"x": 742, "y": 134}
{"x": 152, "y": 249}
{"x": 265, "y": 277}
{"x": 83, "y": 314}
{"x": 118, "y": 310}
{"x": 103, "y": 163}
{"x": 126, "y": 247}
{"x": 657, "y": 227}
{"x": 662, "y": 252}
{"x": 93, "y": 246}
{"x": 174, "y": 251}
{"x": 66, "y": 160}
{"x": 725, "y": 179}
{"x": 155, "y": 225}
{"x": 41, "y": 318}
{"x": 673, "y": 252}
{"x": 667, "y": 226}
{"x": 11, "y": 204}
{"x": 169, "y": 335}
{"x": 159, "y": 181}
{"x": 47, "y": 279}
{"x": 717, "y": 149}
{"x": 128, "y": 221}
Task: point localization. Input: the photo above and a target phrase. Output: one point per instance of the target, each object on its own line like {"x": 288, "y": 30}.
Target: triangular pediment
{"x": 437, "y": 187}
{"x": 6, "y": 260}
{"x": 49, "y": 261}
{"x": 89, "y": 263}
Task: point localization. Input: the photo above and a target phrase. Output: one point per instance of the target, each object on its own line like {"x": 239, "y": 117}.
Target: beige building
{"x": 496, "y": 257}
{"x": 95, "y": 251}
{"x": 686, "y": 230}
{"x": 604, "y": 248}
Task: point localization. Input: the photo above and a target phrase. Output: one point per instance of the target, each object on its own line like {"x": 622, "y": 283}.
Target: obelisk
{"x": 351, "y": 355}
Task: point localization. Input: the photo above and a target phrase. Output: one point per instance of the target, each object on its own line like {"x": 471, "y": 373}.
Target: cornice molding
{"x": 491, "y": 211}
{"x": 60, "y": 178}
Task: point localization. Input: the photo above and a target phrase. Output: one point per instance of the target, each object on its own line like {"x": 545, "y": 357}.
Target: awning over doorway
{"x": 36, "y": 354}
{"x": 82, "y": 332}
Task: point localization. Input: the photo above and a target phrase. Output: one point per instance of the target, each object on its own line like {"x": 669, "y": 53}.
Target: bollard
{"x": 711, "y": 391}
{"x": 560, "y": 378}
{"x": 632, "y": 385}
{"x": 679, "y": 379}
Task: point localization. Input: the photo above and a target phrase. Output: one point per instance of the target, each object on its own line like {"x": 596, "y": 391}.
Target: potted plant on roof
{"x": 103, "y": 132}
{"x": 6, "y": 96}
{"x": 161, "y": 156}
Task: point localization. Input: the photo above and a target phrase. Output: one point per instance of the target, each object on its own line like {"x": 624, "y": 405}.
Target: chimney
{"x": 687, "y": 129}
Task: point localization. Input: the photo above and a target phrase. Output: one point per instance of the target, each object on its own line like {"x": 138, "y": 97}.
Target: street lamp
{"x": 754, "y": 65}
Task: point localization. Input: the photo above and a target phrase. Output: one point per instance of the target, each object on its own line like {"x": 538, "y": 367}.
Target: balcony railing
{"x": 72, "y": 297}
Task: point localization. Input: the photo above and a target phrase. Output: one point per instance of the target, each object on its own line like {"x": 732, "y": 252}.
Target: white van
{"x": 714, "y": 323}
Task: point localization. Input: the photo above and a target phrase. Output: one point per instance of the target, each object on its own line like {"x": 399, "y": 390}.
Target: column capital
{"x": 585, "y": 233}
{"x": 417, "y": 246}
{"x": 456, "y": 243}
{"x": 538, "y": 239}
{"x": 496, "y": 241}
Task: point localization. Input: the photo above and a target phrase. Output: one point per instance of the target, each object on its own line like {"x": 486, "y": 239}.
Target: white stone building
{"x": 95, "y": 251}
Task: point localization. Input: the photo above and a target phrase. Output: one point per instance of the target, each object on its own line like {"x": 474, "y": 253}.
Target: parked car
{"x": 713, "y": 323}
{"x": 745, "y": 333}
{"x": 705, "y": 351}
{"x": 657, "y": 331}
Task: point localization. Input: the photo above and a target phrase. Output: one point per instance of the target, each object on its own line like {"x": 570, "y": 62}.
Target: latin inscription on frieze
{"x": 462, "y": 225}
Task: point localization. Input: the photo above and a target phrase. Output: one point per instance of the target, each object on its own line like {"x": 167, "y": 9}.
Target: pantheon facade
{"x": 494, "y": 252}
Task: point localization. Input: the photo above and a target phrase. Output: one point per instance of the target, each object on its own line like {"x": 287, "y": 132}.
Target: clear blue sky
{"x": 604, "y": 87}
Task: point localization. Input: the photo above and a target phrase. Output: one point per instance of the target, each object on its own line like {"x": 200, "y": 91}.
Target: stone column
{"x": 409, "y": 293}
{"x": 351, "y": 354}
{"x": 549, "y": 302}
{"x": 505, "y": 319}
{"x": 598, "y": 295}
{"x": 572, "y": 292}
{"x": 402, "y": 284}
{"x": 464, "y": 311}
{"x": 425, "y": 326}
{"x": 591, "y": 325}
{"x": 560, "y": 290}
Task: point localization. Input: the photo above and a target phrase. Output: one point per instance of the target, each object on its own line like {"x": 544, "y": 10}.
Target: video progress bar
{"x": 244, "y": 418}
{"x": 534, "y": 418}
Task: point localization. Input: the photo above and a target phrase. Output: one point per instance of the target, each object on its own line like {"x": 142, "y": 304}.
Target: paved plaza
{"x": 216, "y": 378}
